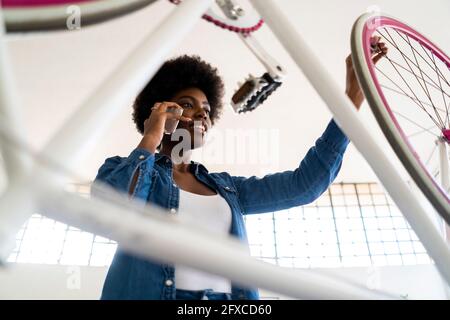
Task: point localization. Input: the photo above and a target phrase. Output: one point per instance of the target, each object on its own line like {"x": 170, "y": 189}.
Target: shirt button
{"x": 173, "y": 210}
{"x": 175, "y": 185}
{"x": 141, "y": 157}
{"x": 169, "y": 283}
{"x": 227, "y": 188}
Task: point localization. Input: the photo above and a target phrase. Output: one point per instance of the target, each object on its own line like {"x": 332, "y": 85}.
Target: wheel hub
{"x": 446, "y": 135}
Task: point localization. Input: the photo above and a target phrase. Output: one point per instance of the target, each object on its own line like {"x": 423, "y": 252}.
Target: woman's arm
{"x": 316, "y": 171}
{"x": 123, "y": 174}
{"x": 352, "y": 88}
{"x": 288, "y": 189}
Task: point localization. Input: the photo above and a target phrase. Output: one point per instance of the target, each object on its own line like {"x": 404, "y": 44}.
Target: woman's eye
{"x": 186, "y": 105}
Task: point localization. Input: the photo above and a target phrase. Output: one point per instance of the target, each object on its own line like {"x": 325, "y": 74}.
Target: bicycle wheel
{"x": 409, "y": 94}
{"x": 41, "y": 15}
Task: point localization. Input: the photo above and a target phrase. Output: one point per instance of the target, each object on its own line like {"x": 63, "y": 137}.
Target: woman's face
{"x": 196, "y": 107}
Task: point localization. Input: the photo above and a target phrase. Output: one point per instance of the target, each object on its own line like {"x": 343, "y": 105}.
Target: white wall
{"x": 34, "y": 281}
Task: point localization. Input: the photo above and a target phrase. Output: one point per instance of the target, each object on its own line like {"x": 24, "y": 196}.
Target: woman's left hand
{"x": 353, "y": 90}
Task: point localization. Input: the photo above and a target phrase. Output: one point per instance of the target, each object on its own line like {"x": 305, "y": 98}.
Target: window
{"x": 349, "y": 225}
{"x": 42, "y": 240}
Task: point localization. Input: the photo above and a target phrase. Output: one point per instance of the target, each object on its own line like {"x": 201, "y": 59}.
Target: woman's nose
{"x": 201, "y": 114}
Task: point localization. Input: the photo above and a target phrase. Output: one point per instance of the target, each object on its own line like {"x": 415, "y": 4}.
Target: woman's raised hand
{"x": 155, "y": 124}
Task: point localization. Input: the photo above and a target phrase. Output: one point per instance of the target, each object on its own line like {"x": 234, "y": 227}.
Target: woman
{"x": 217, "y": 201}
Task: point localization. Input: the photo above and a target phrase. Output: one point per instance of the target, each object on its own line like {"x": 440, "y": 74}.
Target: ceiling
{"x": 57, "y": 71}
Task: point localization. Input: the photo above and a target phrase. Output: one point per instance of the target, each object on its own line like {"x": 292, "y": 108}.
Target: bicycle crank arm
{"x": 255, "y": 90}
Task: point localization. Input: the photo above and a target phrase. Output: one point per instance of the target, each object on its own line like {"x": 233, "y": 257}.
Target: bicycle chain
{"x": 226, "y": 26}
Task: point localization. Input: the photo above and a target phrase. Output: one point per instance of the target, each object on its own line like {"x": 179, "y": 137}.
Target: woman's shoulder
{"x": 220, "y": 175}
{"x": 136, "y": 154}
{"x": 112, "y": 161}
{"x": 224, "y": 179}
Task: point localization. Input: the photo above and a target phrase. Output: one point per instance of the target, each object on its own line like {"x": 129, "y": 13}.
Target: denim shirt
{"x": 131, "y": 277}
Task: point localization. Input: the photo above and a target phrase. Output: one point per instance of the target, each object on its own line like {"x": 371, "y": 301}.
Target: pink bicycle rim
{"x": 38, "y": 3}
{"x": 399, "y": 26}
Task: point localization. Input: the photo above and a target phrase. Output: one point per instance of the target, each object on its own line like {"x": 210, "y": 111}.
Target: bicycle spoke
{"x": 431, "y": 84}
{"x": 448, "y": 107}
{"x": 425, "y": 85}
{"x": 421, "y": 131}
{"x": 409, "y": 66}
{"x": 396, "y": 47}
{"x": 437, "y": 69}
{"x": 411, "y": 62}
{"x": 436, "y": 174}
{"x": 415, "y": 123}
{"x": 443, "y": 78}
{"x": 406, "y": 95}
{"x": 431, "y": 155}
{"x": 392, "y": 63}
{"x": 423, "y": 74}
{"x": 443, "y": 96}
{"x": 416, "y": 100}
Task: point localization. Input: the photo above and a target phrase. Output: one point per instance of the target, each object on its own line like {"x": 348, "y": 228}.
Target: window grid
{"x": 351, "y": 224}
{"x": 364, "y": 225}
{"x": 63, "y": 244}
{"x": 370, "y": 230}
{"x": 334, "y": 221}
{"x": 60, "y": 233}
{"x": 390, "y": 215}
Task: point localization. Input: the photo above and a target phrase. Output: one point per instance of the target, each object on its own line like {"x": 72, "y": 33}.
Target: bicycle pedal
{"x": 253, "y": 92}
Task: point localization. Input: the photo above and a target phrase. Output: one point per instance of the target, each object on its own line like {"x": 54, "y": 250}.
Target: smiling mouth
{"x": 198, "y": 126}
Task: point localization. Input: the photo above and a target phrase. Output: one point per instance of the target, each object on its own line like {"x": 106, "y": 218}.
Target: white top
{"x": 213, "y": 214}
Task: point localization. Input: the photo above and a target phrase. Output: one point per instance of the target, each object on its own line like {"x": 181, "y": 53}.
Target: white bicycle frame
{"x": 444, "y": 174}
{"x": 157, "y": 236}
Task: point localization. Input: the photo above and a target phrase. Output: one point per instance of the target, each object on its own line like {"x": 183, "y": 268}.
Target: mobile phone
{"x": 171, "y": 124}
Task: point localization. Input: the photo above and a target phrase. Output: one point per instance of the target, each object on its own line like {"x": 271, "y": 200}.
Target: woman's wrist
{"x": 356, "y": 98}
{"x": 149, "y": 143}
